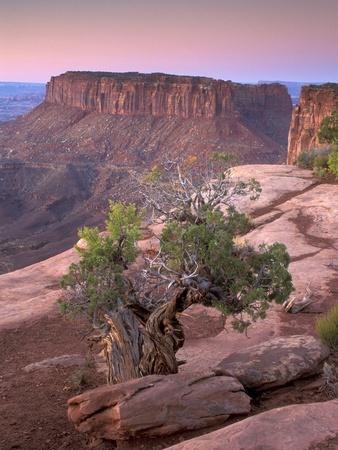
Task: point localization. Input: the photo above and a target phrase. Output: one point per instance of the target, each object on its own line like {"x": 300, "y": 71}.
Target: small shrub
{"x": 81, "y": 378}
{"x": 320, "y": 162}
{"x": 327, "y": 328}
{"x": 330, "y": 372}
{"x": 306, "y": 159}
{"x": 320, "y": 171}
{"x": 333, "y": 161}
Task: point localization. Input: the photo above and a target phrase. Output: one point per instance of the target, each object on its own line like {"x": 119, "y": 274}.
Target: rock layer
{"x": 292, "y": 427}
{"x": 315, "y": 103}
{"x": 165, "y": 95}
{"x": 157, "y": 405}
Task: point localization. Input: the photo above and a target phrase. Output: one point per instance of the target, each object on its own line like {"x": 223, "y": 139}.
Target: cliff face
{"x": 315, "y": 103}
{"x": 162, "y": 95}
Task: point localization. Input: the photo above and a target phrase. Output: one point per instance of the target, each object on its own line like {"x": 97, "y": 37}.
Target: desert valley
{"x": 90, "y": 140}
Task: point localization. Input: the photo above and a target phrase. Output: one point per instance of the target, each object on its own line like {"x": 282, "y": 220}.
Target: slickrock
{"x": 294, "y": 427}
{"x": 30, "y": 293}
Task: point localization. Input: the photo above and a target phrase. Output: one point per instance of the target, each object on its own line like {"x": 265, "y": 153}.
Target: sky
{"x": 240, "y": 40}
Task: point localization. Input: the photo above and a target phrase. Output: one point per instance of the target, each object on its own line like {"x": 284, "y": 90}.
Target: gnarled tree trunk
{"x": 139, "y": 342}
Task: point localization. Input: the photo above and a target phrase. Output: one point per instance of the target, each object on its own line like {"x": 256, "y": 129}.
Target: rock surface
{"x": 129, "y": 94}
{"x": 30, "y": 293}
{"x": 64, "y": 360}
{"x": 315, "y": 103}
{"x": 157, "y": 405}
{"x": 291, "y": 427}
{"x": 276, "y": 362}
{"x": 200, "y": 322}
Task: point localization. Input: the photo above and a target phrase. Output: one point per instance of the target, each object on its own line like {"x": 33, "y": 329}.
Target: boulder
{"x": 276, "y": 362}
{"x": 291, "y": 427}
{"x": 200, "y": 322}
{"x": 158, "y": 405}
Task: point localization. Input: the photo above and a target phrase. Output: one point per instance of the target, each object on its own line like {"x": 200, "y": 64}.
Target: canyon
{"x": 63, "y": 160}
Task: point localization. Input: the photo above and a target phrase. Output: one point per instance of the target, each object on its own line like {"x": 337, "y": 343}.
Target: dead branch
{"x": 294, "y": 307}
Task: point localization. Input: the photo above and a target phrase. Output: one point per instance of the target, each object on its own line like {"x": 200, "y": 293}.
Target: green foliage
{"x": 327, "y": 328}
{"x": 320, "y": 165}
{"x": 198, "y": 247}
{"x": 320, "y": 162}
{"x": 325, "y": 86}
{"x": 333, "y": 161}
{"x": 316, "y": 159}
{"x": 306, "y": 159}
{"x": 94, "y": 285}
{"x": 329, "y": 128}
{"x": 330, "y": 373}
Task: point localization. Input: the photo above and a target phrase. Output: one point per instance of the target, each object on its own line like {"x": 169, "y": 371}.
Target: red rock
{"x": 294, "y": 427}
{"x": 157, "y": 405}
{"x": 315, "y": 103}
{"x": 161, "y": 95}
{"x": 201, "y": 322}
{"x": 276, "y": 362}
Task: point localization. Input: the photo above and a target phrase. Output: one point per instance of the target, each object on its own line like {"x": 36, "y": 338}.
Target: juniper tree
{"x": 197, "y": 259}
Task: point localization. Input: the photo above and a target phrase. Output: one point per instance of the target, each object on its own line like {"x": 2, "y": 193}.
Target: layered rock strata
{"x": 163, "y": 95}
{"x": 315, "y": 103}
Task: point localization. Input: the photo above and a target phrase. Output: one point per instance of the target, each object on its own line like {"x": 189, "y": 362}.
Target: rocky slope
{"x": 62, "y": 161}
{"x": 315, "y": 103}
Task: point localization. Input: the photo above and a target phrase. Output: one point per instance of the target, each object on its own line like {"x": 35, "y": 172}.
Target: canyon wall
{"x": 315, "y": 103}
{"x": 160, "y": 95}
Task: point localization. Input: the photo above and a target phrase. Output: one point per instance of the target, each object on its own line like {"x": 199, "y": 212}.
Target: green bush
{"x": 320, "y": 162}
{"x": 306, "y": 159}
{"x": 320, "y": 166}
{"x": 329, "y": 128}
{"x": 327, "y": 328}
{"x": 320, "y": 171}
{"x": 333, "y": 161}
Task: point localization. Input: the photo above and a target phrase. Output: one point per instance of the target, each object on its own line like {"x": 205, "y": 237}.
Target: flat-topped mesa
{"x": 161, "y": 95}
{"x": 315, "y": 103}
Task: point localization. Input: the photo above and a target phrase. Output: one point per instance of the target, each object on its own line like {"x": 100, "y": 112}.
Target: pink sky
{"x": 238, "y": 40}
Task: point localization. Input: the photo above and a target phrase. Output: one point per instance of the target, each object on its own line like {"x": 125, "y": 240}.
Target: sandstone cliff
{"x": 163, "y": 95}
{"x": 315, "y": 103}
{"x": 136, "y": 119}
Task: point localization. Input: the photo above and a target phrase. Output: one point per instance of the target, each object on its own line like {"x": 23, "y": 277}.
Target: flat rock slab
{"x": 158, "y": 405}
{"x": 278, "y": 183}
{"x": 294, "y": 427}
{"x": 276, "y": 362}
{"x": 64, "y": 360}
{"x": 30, "y": 293}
